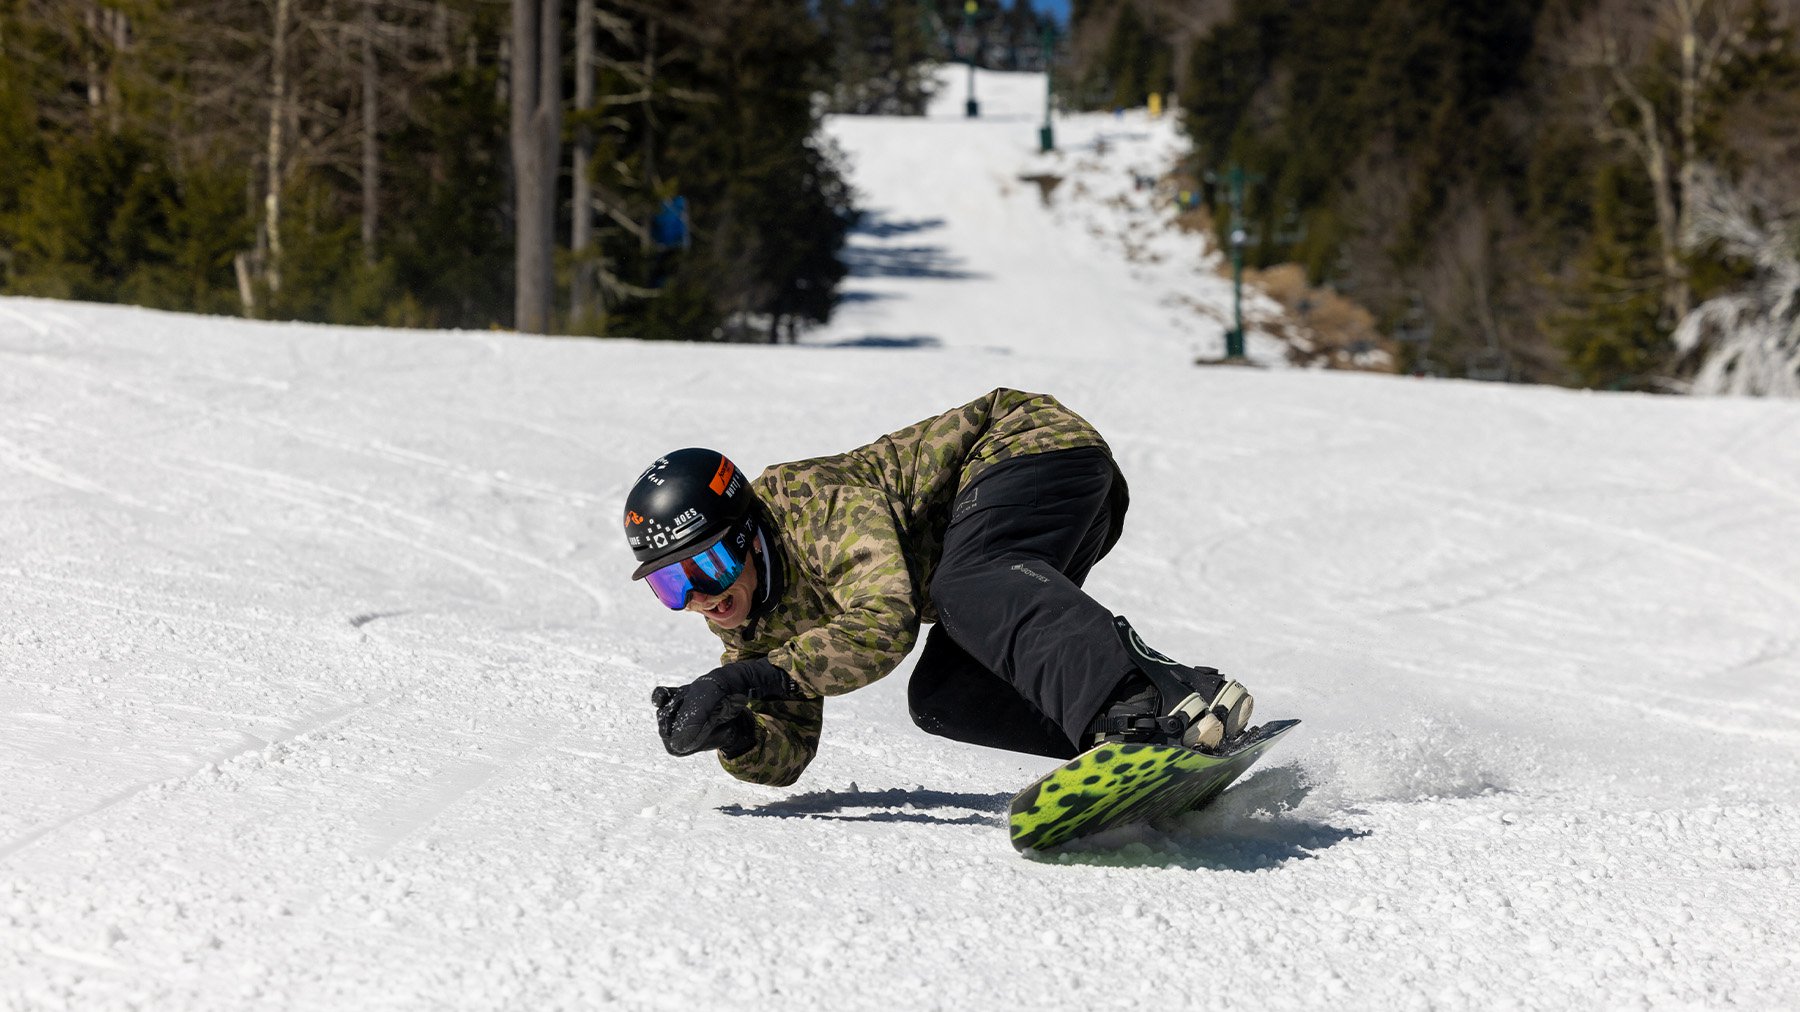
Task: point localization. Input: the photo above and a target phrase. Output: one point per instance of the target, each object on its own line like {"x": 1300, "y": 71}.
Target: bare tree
{"x": 1378, "y": 186}
{"x": 536, "y": 94}
{"x": 1620, "y": 47}
{"x": 1190, "y": 21}
{"x": 371, "y": 134}
{"x": 1748, "y": 341}
{"x": 581, "y": 205}
{"x": 278, "y": 115}
{"x": 627, "y": 47}
{"x": 109, "y": 33}
{"x": 1460, "y": 277}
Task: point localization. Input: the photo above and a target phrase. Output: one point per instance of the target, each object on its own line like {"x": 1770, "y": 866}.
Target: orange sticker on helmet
{"x": 631, "y": 517}
{"x": 723, "y": 476}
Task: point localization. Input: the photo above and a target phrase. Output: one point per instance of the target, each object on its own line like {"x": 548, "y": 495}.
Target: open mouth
{"x": 721, "y": 609}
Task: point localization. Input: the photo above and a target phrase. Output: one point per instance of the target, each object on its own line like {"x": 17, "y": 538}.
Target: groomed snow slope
{"x": 322, "y": 686}
{"x": 961, "y": 248}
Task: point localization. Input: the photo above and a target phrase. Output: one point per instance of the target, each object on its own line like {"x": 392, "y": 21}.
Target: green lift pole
{"x": 1234, "y": 338}
{"x": 971, "y": 108}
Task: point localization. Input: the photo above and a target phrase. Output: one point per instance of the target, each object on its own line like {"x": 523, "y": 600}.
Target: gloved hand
{"x": 709, "y": 713}
{"x": 727, "y": 727}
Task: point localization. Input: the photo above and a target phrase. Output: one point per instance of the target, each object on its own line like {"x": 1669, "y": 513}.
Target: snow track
{"x": 322, "y": 684}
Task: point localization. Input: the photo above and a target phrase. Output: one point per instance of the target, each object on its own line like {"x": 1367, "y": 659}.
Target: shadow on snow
{"x": 884, "y": 261}
{"x": 884, "y": 341}
{"x": 1249, "y": 828}
{"x": 893, "y": 805}
{"x": 905, "y": 262}
{"x": 882, "y": 227}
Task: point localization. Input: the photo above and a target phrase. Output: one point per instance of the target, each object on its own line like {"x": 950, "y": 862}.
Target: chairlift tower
{"x": 969, "y": 44}
{"x": 1047, "y": 133}
{"x": 1235, "y": 179}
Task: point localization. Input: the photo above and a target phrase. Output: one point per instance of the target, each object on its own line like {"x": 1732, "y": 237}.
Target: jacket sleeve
{"x": 854, "y": 547}
{"x": 787, "y": 738}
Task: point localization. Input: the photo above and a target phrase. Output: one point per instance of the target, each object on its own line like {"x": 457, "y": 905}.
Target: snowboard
{"x": 1115, "y": 785}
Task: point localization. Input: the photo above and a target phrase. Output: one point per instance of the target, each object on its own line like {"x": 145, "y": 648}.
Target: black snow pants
{"x": 1021, "y": 658}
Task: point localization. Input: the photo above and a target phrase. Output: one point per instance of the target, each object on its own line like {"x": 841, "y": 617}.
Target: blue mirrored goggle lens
{"x": 709, "y": 572}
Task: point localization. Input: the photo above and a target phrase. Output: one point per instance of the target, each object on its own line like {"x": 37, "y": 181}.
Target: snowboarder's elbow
{"x": 766, "y": 776}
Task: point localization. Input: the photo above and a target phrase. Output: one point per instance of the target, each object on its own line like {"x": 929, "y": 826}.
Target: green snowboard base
{"x": 1119, "y": 785}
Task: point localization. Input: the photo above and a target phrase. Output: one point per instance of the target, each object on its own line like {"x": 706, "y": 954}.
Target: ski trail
{"x": 36, "y": 585}
{"x": 1660, "y": 542}
{"x": 22, "y": 459}
{"x": 1529, "y": 741}
{"x": 303, "y": 492}
{"x": 403, "y": 816}
{"x": 371, "y": 448}
{"x": 316, "y": 494}
{"x": 308, "y": 724}
{"x": 1692, "y": 714}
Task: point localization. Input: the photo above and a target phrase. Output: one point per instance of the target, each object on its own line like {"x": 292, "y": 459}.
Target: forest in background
{"x": 650, "y": 168}
{"x": 1590, "y": 192}
{"x": 1594, "y": 192}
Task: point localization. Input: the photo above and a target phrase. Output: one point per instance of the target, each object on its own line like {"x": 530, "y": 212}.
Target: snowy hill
{"x": 322, "y": 684}
{"x": 963, "y": 245}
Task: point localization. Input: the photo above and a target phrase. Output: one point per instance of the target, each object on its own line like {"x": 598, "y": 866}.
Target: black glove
{"x": 709, "y": 713}
{"x": 732, "y": 729}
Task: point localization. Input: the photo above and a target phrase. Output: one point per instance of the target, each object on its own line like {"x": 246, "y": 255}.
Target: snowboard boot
{"x": 1166, "y": 703}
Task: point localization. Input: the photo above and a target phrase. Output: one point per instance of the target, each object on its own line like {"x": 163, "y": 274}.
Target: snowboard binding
{"x": 1167, "y": 703}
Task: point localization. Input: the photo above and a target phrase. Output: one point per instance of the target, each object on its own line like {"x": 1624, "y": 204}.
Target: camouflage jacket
{"x": 860, "y": 535}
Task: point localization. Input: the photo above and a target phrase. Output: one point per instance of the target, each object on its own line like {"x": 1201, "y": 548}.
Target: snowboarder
{"x": 817, "y": 575}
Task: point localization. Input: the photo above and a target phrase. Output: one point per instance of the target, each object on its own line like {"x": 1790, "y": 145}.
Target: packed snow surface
{"x": 973, "y": 239}
{"x": 323, "y": 686}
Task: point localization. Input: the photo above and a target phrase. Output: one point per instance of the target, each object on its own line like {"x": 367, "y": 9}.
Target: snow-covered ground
{"x": 961, "y": 246}
{"x": 322, "y": 683}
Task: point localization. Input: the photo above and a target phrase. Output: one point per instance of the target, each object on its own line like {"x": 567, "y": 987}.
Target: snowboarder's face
{"x": 732, "y": 608}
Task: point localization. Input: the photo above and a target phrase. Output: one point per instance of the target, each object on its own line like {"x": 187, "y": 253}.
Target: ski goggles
{"x": 710, "y": 572}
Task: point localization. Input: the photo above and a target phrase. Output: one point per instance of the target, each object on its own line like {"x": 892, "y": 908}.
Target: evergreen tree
{"x": 1124, "y": 53}
{"x": 19, "y": 157}
{"x": 878, "y": 54}
{"x": 1611, "y": 335}
{"x": 767, "y": 206}
{"x": 348, "y": 161}
{"x": 450, "y": 237}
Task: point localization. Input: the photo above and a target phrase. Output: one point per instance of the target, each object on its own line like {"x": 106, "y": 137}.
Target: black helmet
{"x": 682, "y": 505}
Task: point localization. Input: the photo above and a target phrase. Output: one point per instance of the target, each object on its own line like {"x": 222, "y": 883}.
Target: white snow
{"x": 956, "y": 231}
{"x": 323, "y": 686}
